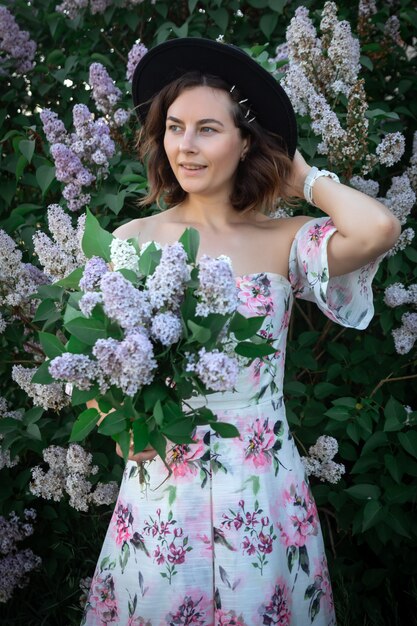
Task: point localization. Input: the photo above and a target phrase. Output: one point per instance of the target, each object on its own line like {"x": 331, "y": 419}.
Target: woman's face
{"x": 202, "y": 143}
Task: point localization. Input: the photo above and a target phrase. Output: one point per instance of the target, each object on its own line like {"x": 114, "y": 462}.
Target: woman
{"x": 232, "y": 536}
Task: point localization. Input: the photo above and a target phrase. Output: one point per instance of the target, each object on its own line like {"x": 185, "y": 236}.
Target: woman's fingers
{"x": 147, "y": 455}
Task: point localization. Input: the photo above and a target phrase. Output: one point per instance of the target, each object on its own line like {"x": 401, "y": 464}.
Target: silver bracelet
{"x": 311, "y": 178}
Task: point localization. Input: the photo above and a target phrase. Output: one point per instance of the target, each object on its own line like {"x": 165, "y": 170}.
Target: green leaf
{"x": 140, "y": 435}
{"x": 123, "y": 439}
{"x": 221, "y": 18}
{"x": 51, "y": 345}
{"x": 27, "y": 148}
{"x": 33, "y": 415}
{"x": 294, "y": 388}
{"x": 371, "y": 514}
{"x": 323, "y": 390}
{"x": 408, "y": 441}
{"x": 34, "y": 432}
{"x": 151, "y": 394}
{"x": 199, "y": 333}
{"x": 158, "y": 413}
{"x": 245, "y": 327}
{"x": 190, "y": 239}
{"x": 267, "y": 24}
{"x": 224, "y": 429}
{"x": 81, "y": 396}
{"x": 158, "y": 441}
{"x": 72, "y": 280}
{"x": 371, "y": 113}
{"x": 86, "y": 330}
{"x": 182, "y": 427}
{"x": 395, "y": 415}
{"x": 364, "y": 491}
{"x": 45, "y": 174}
{"x": 46, "y": 311}
{"x": 248, "y": 349}
{"x": 20, "y": 166}
{"x": 96, "y": 241}
{"x": 76, "y": 346}
{"x": 277, "y": 5}
{"x": 42, "y": 375}
{"x": 392, "y": 466}
{"x": 84, "y": 424}
{"x": 113, "y": 424}
{"x": 191, "y": 5}
{"x": 115, "y": 201}
{"x": 366, "y": 62}
{"x": 149, "y": 259}
{"x": 338, "y": 413}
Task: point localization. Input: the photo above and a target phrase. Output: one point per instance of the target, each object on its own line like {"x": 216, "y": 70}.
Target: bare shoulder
{"x": 141, "y": 227}
{"x": 286, "y": 226}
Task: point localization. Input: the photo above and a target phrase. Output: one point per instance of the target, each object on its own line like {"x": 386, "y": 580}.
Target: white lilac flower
{"x": 94, "y": 270}
{"x": 79, "y": 460}
{"x": 331, "y": 472}
{"x": 135, "y": 54}
{"x": 392, "y": 30}
{"x": 396, "y": 295}
{"x": 403, "y": 340}
{"x": 369, "y": 186}
{"x": 217, "y": 292}
{"x": 123, "y": 255}
{"x": 325, "y": 448}
{"x": 304, "y": 47}
{"x": 367, "y": 8}
{"x": 47, "y": 396}
{"x": 391, "y": 148}
{"x": 5, "y": 458}
{"x": 216, "y": 370}
{"x": 10, "y": 257}
{"x": 400, "y": 197}
{"x": 122, "y": 302}
{"x": 297, "y": 87}
{"x": 104, "y": 493}
{"x": 77, "y": 369}
{"x": 166, "y": 328}
{"x": 344, "y": 52}
{"x": 404, "y": 240}
{"x": 48, "y": 485}
{"x": 409, "y": 321}
{"x": 17, "y": 50}
{"x": 15, "y": 564}
{"x": 78, "y": 488}
{"x": 167, "y": 284}
{"x": 103, "y": 90}
{"x": 89, "y": 301}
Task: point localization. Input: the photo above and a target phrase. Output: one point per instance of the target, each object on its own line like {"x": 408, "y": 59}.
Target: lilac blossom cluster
{"x": 74, "y": 154}
{"x": 123, "y": 303}
{"x": 94, "y": 270}
{"x": 77, "y": 369}
{"x": 68, "y": 472}
{"x": 217, "y": 292}
{"x": 50, "y": 396}
{"x": 128, "y": 364}
{"x": 106, "y": 95}
{"x": 320, "y": 463}
{"x": 72, "y": 8}
{"x": 319, "y": 70}
{"x": 405, "y": 335}
{"x": 217, "y": 370}
{"x": 166, "y": 328}
{"x": 15, "y": 564}
{"x": 62, "y": 253}
{"x": 17, "y": 50}
{"x": 166, "y": 285}
{"x": 5, "y": 412}
{"x": 18, "y": 280}
{"x": 124, "y": 256}
{"x": 135, "y": 54}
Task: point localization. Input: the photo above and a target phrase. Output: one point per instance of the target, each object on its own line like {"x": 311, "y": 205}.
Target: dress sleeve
{"x": 345, "y": 299}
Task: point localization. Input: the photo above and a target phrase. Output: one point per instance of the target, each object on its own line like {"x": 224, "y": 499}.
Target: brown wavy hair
{"x": 260, "y": 178}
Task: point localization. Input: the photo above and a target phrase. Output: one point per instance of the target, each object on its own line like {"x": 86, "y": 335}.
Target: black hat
{"x": 171, "y": 59}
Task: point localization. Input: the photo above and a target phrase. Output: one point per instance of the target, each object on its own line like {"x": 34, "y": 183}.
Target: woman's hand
{"x": 300, "y": 169}
{"x": 146, "y": 455}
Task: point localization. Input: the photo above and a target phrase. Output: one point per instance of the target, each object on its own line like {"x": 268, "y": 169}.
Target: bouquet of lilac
{"x": 142, "y": 330}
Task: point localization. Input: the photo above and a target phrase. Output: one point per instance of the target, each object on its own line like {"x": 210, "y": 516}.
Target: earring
{"x": 243, "y": 157}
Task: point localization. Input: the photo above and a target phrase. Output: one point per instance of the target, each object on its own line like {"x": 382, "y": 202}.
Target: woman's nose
{"x": 188, "y": 143}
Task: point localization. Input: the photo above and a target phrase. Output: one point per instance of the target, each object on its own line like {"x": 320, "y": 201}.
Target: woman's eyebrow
{"x": 206, "y": 120}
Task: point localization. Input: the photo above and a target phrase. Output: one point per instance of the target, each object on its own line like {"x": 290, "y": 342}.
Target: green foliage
{"x": 350, "y": 385}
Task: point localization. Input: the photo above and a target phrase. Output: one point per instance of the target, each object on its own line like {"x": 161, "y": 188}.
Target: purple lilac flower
{"x": 124, "y": 303}
{"x": 166, "y": 285}
{"x": 16, "y": 48}
{"x": 120, "y": 117}
{"x": 104, "y": 92}
{"x": 403, "y": 340}
{"x": 128, "y": 364}
{"x": 91, "y": 141}
{"x": 78, "y": 369}
{"x": 395, "y": 295}
{"x": 217, "y": 371}
{"x": 94, "y": 270}
{"x": 53, "y": 127}
{"x": 409, "y": 321}
{"x": 217, "y": 292}
{"x": 48, "y": 396}
{"x": 89, "y": 301}
{"x": 137, "y": 51}
{"x": 166, "y": 328}
{"x": 71, "y": 171}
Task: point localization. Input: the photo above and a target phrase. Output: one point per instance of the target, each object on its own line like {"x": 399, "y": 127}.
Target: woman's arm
{"x": 147, "y": 455}
{"x": 365, "y": 227}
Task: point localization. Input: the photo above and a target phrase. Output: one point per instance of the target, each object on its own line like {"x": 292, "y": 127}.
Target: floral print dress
{"x": 232, "y": 537}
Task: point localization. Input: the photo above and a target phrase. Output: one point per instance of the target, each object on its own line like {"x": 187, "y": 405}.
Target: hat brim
{"x": 171, "y": 59}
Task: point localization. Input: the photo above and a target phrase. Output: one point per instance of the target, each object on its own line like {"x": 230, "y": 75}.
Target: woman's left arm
{"x": 365, "y": 227}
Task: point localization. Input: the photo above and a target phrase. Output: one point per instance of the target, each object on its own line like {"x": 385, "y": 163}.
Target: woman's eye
{"x": 173, "y": 127}
{"x": 207, "y": 129}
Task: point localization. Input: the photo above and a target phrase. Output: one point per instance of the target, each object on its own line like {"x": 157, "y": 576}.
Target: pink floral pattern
{"x": 232, "y": 537}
